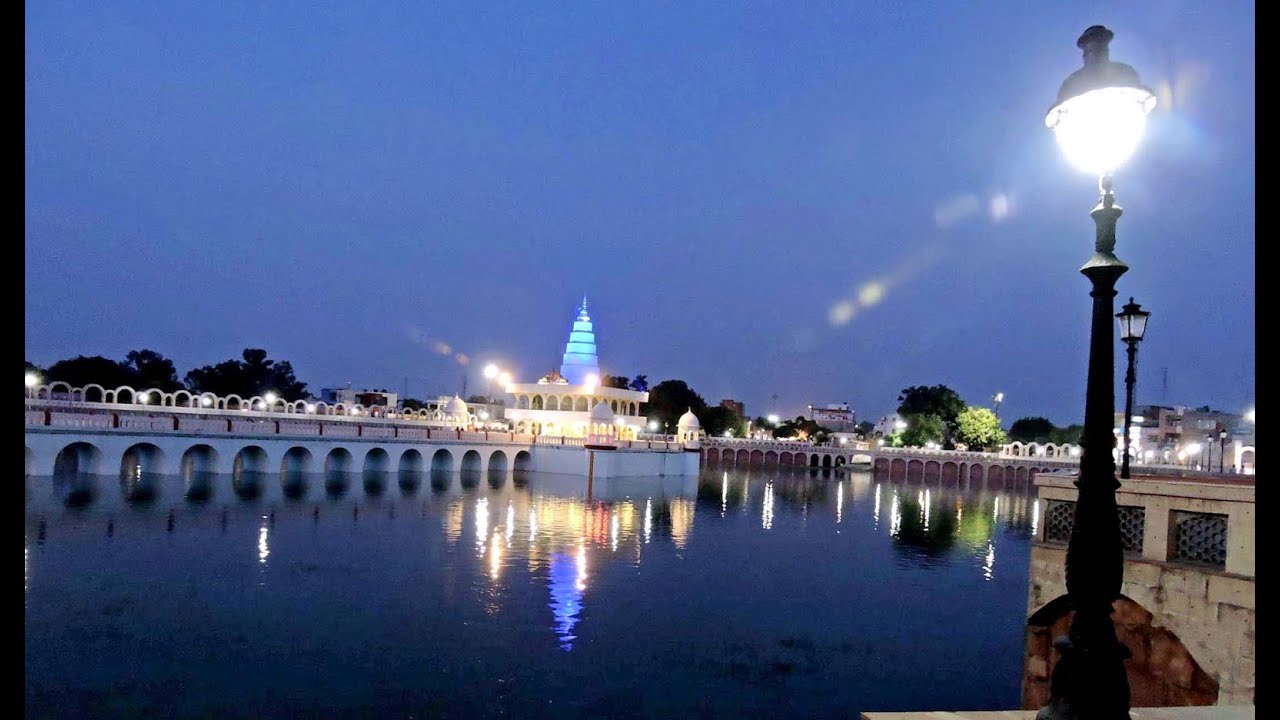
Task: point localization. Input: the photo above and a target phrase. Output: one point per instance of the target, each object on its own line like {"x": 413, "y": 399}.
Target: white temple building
{"x": 561, "y": 403}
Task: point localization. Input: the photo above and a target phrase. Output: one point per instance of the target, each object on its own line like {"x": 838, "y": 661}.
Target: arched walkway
{"x": 442, "y": 461}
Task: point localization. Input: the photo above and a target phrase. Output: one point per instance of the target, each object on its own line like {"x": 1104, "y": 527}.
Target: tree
{"x": 939, "y": 401}
{"x": 716, "y": 419}
{"x": 477, "y": 400}
{"x": 255, "y": 375}
{"x": 979, "y": 428}
{"x": 1071, "y": 434}
{"x": 866, "y": 428}
{"x": 615, "y": 381}
{"x": 1031, "y": 429}
{"x": 923, "y": 429}
{"x": 84, "y": 370}
{"x": 640, "y": 383}
{"x": 409, "y": 403}
{"x": 152, "y": 370}
{"x": 670, "y": 399}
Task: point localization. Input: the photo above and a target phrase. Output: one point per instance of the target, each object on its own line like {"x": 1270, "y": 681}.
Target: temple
{"x": 568, "y": 402}
{"x": 580, "y": 361}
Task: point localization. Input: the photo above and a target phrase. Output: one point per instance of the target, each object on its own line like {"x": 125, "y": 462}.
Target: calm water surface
{"x": 748, "y": 593}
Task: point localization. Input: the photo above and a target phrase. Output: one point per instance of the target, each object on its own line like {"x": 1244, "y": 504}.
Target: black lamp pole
{"x": 1133, "y": 325}
{"x": 1222, "y": 450}
{"x": 1089, "y": 679}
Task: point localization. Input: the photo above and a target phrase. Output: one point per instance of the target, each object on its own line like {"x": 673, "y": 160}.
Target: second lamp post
{"x": 1133, "y": 325}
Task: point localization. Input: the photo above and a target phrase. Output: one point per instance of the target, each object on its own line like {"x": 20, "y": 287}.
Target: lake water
{"x": 736, "y": 594}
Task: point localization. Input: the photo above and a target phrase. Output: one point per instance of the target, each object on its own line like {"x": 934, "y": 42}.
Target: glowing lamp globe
{"x": 32, "y": 380}
{"x": 1101, "y": 111}
{"x": 491, "y": 371}
{"x": 1133, "y": 323}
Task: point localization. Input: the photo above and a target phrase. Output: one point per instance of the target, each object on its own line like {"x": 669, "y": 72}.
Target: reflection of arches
{"x": 524, "y": 461}
{"x": 713, "y": 456}
{"x": 1161, "y": 672}
{"x": 442, "y": 461}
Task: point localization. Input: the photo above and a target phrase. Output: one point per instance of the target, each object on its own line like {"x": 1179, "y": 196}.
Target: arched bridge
{"x": 945, "y": 467}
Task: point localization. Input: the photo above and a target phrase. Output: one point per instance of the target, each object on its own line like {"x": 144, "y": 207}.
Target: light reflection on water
{"x": 800, "y": 604}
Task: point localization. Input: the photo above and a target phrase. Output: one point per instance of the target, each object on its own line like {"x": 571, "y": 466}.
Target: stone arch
{"x": 800, "y": 459}
{"x": 915, "y": 470}
{"x": 442, "y": 461}
{"x": 377, "y": 461}
{"x": 580, "y": 405}
{"x": 93, "y": 392}
{"x": 1161, "y": 670}
{"x": 472, "y": 464}
{"x": 826, "y": 461}
{"x": 712, "y": 456}
{"x": 743, "y": 458}
{"x": 523, "y": 461}
{"x": 785, "y": 458}
{"x": 78, "y": 458}
{"x": 296, "y": 459}
{"x": 142, "y": 458}
{"x": 613, "y": 405}
{"x": 199, "y": 459}
{"x": 932, "y": 470}
{"x": 815, "y": 460}
{"x": 538, "y": 402}
{"x": 755, "y": 458}
{"x": 552, "y": 403}
{"x": 771, "y": 458}
{"x": 497, "y": 462}
{"x": 338, "y": 460}
{"x": 975, "y": 474}
{"x": 840, "y": 461}
{"x": 411, "y": 462}
{"x": 247, "y": 471}
{"x": 898, "y": 468}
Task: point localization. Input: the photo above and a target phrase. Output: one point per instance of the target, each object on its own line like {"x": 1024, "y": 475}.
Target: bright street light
{"x": 653, "y": 426}
{"x": 505, "y": 379}
{"x": 773, "y": 419}
{"x": 270, "y": 398}
{"x": 311, "y": 407}
{"x": 901, "y": 425}
{"x": 491, "y": 371}
{"x": 484, "y": 414}
{"x": 206, "y": 401}
{"x": 32, "y": 379}
{"x": 1249, "y": 415}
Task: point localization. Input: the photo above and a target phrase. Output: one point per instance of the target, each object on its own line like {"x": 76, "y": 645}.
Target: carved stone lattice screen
{"x": 1059, "y": 516}
{"x": 1133, "y": 523}
{"x": 1199, "y": 538}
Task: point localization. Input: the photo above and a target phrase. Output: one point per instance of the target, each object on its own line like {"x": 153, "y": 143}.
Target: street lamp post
{"x": 1098, "y": 119}
{"x": 997, "y": 399}
{"x": 1222, "y": 450}
{"x": 1133, "y": 325}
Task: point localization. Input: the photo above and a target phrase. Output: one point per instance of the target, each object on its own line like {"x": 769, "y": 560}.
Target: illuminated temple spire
{"x": 580, "y": 359}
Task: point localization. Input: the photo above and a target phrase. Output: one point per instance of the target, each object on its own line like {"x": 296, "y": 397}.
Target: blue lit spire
{"x": 580, "y": 358}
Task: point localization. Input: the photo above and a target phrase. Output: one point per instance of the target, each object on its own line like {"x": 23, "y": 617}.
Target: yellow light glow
{"x": 871, "y": 294}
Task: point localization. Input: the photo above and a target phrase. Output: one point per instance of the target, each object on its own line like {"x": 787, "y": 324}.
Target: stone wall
{"x": 1190, "y": 627}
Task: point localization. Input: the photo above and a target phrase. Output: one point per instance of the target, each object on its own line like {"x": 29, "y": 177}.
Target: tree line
{"x": 253, "y": 374}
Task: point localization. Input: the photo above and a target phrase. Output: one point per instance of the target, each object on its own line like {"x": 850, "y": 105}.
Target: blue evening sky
{"x": 822, "y": 201}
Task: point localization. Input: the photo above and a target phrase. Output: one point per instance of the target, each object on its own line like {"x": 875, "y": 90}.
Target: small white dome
{"x": 602, "y": 413}
{"x": 689, "y": 421}
{"x": 456, "y": 406}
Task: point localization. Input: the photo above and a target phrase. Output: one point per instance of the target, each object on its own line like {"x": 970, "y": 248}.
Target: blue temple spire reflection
{"x": 567, "y": 582}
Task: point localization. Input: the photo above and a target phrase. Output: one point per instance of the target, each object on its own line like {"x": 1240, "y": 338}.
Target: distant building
{"x": 735, "y": 406}
{"x": 366, "y": 398}
{"x": 889, "y": 424}
{"x": 1180, "y": 435}
{"x": 834, "y": 416}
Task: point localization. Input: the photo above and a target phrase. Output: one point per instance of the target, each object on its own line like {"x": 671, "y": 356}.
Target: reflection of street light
{"x": 1133, "y": 325}
{"x": 1098, "y": 120}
